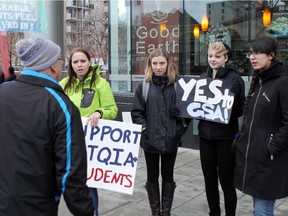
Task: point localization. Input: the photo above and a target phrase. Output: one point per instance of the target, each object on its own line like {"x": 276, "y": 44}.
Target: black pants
{"x": 167, "y": 167}
{"x": 218, "y": 160}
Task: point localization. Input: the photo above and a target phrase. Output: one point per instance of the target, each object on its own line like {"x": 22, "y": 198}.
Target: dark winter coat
{"x": 2, "y": 76}
{"x": 43, "y": 151}
{"x": 162, "y": 129}
{"x": 262, "y": 149}
{"x": 11, "y": 77}
{"x": 218, "y": 131}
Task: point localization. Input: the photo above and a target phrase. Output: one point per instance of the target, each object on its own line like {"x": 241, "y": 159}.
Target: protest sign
{"x": 112, "y": 154}
{"x": 22, "y": 16}
{"x": 204, "y": 98}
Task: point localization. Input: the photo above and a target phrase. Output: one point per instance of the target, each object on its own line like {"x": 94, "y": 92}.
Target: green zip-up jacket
{"x": 99, "y": 98}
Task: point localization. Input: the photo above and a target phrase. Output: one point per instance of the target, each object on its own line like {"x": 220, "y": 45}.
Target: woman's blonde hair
{"x": 219, "y": 48}
{"x": 171, "y": 67}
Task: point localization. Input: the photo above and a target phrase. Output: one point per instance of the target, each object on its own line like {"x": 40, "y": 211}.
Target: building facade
{"x": 86, "y": 25}
{"x": 137, "y": 27}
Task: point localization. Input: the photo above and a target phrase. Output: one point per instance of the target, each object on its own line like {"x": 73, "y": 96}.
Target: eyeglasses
{"x": 255, "y": 54}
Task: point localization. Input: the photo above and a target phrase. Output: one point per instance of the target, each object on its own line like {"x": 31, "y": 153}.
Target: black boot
{"x": 217, "y": 214}
{"x": 154, "y": 197}
{"x": 168, "y": 189}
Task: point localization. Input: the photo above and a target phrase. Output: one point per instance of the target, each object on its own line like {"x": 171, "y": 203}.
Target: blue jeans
{"x": 94, "y": 195}
{"x": 263, "y": 207}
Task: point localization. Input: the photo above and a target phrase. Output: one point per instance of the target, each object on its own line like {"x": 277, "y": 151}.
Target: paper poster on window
{"x": 112, "y": 154}
{"x": 205, "y": 98}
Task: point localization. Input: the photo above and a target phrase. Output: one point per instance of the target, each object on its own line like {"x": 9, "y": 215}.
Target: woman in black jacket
{"x": 162, "y": 129}
{"x": 262, "y": 148}
{"x": 217, "y": 158}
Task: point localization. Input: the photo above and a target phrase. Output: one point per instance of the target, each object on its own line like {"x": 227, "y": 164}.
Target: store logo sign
{"x": 159, "y": 17}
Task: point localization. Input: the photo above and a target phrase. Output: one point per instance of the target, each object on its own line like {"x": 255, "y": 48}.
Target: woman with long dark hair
{"x": 90, "y": 93}
{"x": 262, "y": 147}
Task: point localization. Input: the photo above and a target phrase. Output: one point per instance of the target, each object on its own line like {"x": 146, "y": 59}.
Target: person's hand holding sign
{"x": 94, "y": 118}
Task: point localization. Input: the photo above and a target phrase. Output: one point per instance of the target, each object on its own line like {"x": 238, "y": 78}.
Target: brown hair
{"x": 72, "y": 74}
{"x": 254, "y": 81}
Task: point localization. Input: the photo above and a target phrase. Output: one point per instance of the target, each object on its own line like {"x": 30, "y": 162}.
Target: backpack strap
{"x": 145, "y": 89}
{"x": 175, "y": 86}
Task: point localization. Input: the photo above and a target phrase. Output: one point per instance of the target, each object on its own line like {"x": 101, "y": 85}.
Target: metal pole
{"x": 55, "y": 23}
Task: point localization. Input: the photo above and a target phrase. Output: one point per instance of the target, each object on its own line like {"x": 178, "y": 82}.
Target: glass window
{"x": 154, "y": 24}
{"x": 138, "y": 27}
{"x": 120, "y": 46}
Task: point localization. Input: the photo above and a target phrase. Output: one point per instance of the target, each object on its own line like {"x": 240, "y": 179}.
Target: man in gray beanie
{"x": 43, "y": 154}
{"x": 38, "y": 54}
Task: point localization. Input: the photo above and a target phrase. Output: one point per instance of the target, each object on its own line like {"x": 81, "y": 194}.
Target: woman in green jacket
{"x": 90, "y": 93}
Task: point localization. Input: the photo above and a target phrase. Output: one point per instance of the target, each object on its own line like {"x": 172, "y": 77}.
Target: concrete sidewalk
{"x": 189, "y": 198}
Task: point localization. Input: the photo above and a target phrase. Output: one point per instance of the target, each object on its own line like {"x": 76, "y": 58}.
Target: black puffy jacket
{"x": 162, "y": 131}
{"x": 262, "y": 149}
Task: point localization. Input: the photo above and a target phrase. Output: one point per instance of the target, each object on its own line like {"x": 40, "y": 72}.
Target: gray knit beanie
{"x": 37, "y": 53}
